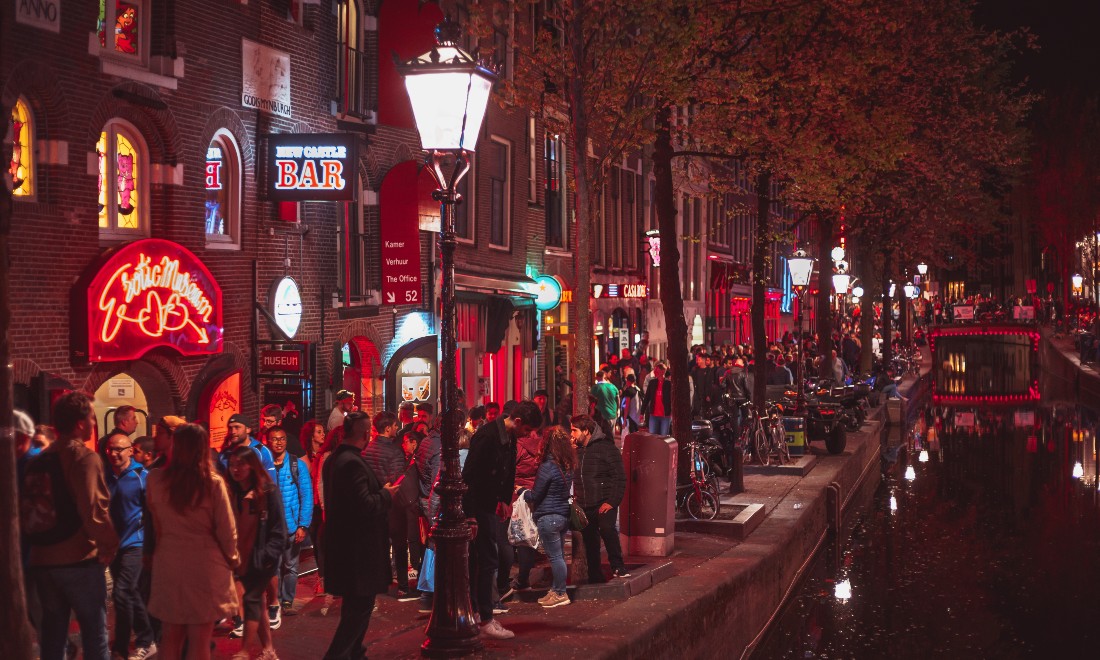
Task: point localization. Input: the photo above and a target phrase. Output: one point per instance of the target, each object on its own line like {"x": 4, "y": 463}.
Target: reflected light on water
{"x": 893, "y": 504}
{"x": 923, "y": 458}
{"x": 843, "y": 590}
{"x": 1078, "y": 470}
{"x": 910, "y": 473}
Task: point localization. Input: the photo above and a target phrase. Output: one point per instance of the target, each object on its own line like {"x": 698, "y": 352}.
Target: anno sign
{"x": 148, "y": 294}
{"x": 310, "y": 166}
{"x": 45, "y": 14}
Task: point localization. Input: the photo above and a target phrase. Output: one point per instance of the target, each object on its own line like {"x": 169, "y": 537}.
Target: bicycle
{"x": 699, "y": 498}
{"x": 754, "y": 438}
{"x": 776, "y": 436}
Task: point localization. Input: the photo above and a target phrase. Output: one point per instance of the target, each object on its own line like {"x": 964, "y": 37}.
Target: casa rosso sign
{"x": 311, "y": 167}
{"x": 148, "y": 294}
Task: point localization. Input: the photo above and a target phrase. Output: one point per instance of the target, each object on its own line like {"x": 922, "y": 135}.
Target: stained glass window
{"x": 21, "y": 164}
{"x": 122, "y": 185}
{"x": 222, "y": 180}
{"x": 121, "y": 23}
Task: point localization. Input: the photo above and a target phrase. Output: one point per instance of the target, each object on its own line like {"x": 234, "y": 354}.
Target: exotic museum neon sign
{"x": 152, "y": 293}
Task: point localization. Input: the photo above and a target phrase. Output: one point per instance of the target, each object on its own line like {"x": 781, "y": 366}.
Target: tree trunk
{"x": 16, "y": 636}
{"x": 867, "y": 312}
{"x": 582, "y": 254}
{"x": 582, "y": 325}
{"x": 760, "y": 246}
{"x": 671, "y": 297}
{"x": 824, "y": 286}
{"x": 887, "y": 309}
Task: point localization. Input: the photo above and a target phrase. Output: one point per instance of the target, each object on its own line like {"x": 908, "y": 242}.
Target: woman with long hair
{"x": 193, "y": 545}
{"x": 550, "y": 499}
{"x": 317, "y": 446}
{"x": 261, "y": 537}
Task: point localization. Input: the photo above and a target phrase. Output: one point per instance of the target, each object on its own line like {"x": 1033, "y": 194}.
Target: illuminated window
{"x": 21, "y": 164}
{"x": 123, "y": 185}
{"x": 222, "y": 179}
{"x": 123, "y": 28}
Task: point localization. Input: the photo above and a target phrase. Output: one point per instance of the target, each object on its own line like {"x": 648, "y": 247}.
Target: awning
{"x": 522, "y": 288}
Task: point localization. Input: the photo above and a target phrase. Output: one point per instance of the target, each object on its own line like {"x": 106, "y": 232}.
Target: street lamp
{"x": 840, "y": 283}
{"x": 801, "y": 266}
{"x": 911, "y": 290}
{"x": 1078, "y": 282}
{"x": 837, "y": 254}
{"x": 449, "y": 92}
{"x": 922, "y": 268}
{"x": 857, "y": 291}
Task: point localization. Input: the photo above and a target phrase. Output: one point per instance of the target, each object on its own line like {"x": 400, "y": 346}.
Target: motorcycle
{"x": 825, "y": 421}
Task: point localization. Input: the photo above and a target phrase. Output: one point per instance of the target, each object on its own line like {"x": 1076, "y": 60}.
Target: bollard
{"x": 737, "y": 472}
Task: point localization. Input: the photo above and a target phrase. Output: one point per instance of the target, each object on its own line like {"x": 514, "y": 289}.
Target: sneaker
{"x": 413, "y": 574}
{"x": 143, "y": 653}
{"x": 275, "y": 616}
{"x": 554, "y": 599}
{"x": 500, "y": 608}
{"x": 238, "y": 631}
{"x": 620, "y": 573}
{"x": 404, "y": 596}
{"x": 289, "y": 609}
{"x": 224, "y": 624}
{"x": 494, "y": 630}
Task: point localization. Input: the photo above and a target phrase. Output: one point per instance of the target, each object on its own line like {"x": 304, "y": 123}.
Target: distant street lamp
{"x": 449, "y": 91}
{"x": 837, "y": 254}
{"x": 922, "y": 268}
{"x": 801, "y": 266}
{"x": 911, "y": 290}
{"x": 840, "y": 283}
{"x": 1078, "y": 282}
{"x": 857, "y": 291}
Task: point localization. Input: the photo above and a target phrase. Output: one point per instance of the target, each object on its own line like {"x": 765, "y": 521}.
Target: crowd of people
{"x": 120, "y": 516}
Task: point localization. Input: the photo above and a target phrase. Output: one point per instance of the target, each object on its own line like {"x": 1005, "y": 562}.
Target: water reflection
{"x": 981, "y": 541}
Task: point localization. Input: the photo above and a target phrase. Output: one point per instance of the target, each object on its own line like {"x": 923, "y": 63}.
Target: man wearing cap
{"x": 549, "y": 417}
{"x": 345, "y": 403}
{"x": 240, "y": 433}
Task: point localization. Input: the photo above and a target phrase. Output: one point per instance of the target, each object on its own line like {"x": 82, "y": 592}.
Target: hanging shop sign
{"x": 400, "y": 234}
{"x": 283, "y": 360}
{"x": 620, "y": 291}
{"x": 286, "y": 305}
{"x": 148, "y": 294}
{"x": 265, "y": 79}
{"x": 306, "y": 167}
{"x": 547, "y": 292}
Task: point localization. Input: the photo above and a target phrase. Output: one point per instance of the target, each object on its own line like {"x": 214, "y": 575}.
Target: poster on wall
{"x": 265, "y": 79}
{"x": 293, "y": 398}
{"x": 220, "y": 401}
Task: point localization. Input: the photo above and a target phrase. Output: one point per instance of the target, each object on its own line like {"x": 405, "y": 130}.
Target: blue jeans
{"x": 552, "y": 531}
{"x": 130, "y": 614}
{"x": 659, "y": 425}
{"x": 79, "y": 589}
{"x": 288, "y": 571}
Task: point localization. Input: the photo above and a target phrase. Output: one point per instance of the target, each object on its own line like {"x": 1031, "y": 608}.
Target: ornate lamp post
{"x": 449, "y": 91}
{"x": 922, "y": 269}
{"x": 801, "y": 266}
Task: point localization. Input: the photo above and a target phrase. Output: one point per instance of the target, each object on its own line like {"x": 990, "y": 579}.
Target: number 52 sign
{"x": 400, "y": 235}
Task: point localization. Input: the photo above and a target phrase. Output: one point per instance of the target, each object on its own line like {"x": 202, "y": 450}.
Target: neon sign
{"x": 152, "y": 293}
{"x": 305, "y": 167}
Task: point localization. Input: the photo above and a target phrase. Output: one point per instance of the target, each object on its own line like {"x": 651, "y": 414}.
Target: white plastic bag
{"x": 522, "y": 530}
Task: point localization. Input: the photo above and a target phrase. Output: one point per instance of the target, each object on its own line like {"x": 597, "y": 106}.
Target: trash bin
{"x": 648, "y": 512}
{"x": 795, "y": 428}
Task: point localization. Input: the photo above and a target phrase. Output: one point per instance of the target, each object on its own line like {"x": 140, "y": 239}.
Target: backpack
{"x": 47, "y": 510}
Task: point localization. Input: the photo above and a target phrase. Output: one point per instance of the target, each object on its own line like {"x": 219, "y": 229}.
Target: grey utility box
{"x": 647, "y": 516}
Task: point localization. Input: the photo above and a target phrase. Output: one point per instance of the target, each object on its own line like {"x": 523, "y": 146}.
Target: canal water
{"x": 982, "y": 540}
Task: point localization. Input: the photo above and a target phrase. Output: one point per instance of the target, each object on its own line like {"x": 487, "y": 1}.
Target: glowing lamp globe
{"x": 801, "y": 266}
{"x": 857, "y": 291}
{"x": 1078, "y": 470}
{"x": 910, "y": 290}
{"x": 1078, "y": 281}
{"x": 922, "y": 268}
{"x": 449, "y": 91}
{"x": 840, "y": 282}
{"x": 837, "y": 254}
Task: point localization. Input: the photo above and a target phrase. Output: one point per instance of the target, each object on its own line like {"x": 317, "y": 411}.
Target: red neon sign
{"x": 152, "y": 293}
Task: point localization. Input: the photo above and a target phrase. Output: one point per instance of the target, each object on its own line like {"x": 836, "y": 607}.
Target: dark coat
{"x": 651, "y": 395}
{"x": 357, "y": 539}
{"x": 490, "y": 469}
{"x": 387, "y": 458}
{"x": 600, "y": 474}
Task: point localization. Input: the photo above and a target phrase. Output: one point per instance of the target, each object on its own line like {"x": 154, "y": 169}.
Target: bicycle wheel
{"x": 760, "y": 446}
{"x": 782, "y": 451}
{"x": 702, "y": 505}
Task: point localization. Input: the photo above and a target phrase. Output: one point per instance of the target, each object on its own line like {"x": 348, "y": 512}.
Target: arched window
{"x": 222, "y": 216}
{"x": 123, "y": 184}
{"x": 21, "y": 164}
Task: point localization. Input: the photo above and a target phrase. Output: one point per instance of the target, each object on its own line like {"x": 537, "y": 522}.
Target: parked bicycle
{"x": 698, "y": 498}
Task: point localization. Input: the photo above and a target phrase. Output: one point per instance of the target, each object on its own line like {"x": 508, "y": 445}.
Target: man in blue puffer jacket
{"x": 296, "y": 489}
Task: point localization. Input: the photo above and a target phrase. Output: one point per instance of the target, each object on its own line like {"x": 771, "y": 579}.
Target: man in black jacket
{"x": 357, "y": 544}
{"x": 490, "y": 476}
{"x": 598, "y": 488}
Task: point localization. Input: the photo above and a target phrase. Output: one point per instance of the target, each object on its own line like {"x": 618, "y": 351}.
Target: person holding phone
{"x": 386, "y": 456}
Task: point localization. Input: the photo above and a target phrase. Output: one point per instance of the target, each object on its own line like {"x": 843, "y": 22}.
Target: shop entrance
{"x": 140, "y": 386}
{"x": 361, "y": 373}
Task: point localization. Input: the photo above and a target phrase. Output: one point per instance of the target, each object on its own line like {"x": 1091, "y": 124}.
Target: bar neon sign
{"x": 152, "y": 293}
{"x": 311, "y": 167}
